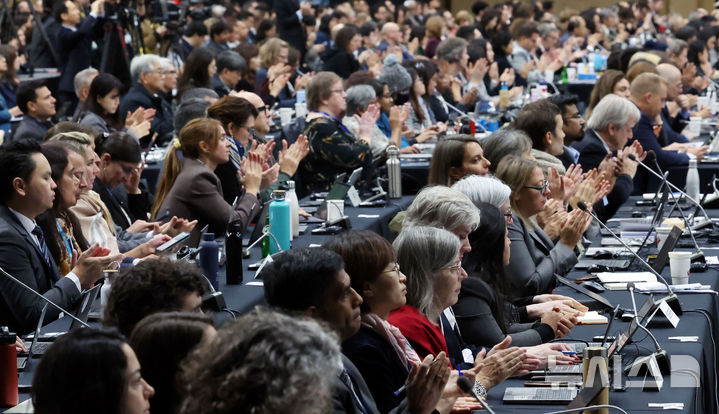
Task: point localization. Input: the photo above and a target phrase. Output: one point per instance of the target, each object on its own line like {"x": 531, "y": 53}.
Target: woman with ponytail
{"x": 189, "y": 187}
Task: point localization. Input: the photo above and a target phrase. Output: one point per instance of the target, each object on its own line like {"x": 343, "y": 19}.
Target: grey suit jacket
{"x": 197, "y": 194}
{"x": 21, "y": 257}
{"x": 534, "y": 260}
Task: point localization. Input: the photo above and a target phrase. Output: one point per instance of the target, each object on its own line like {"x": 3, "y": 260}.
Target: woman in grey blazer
{"x": 189, "y": 187}
{"x": 535, "y": 258}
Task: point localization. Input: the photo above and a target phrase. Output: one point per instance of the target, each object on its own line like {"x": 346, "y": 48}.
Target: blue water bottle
{"x": 209, "y": 256}
{"x": 280, "y": 224}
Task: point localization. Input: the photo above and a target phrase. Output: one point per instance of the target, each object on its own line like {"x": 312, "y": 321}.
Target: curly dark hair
{"x": 149, "y": 287}
{"x": 262, "y": 363}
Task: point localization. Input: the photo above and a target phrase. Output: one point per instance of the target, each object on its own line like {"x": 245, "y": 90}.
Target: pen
{"x": 569, "y": 352}
{"x": 400, "y": 390}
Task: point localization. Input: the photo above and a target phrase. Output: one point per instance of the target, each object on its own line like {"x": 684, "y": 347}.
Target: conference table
{"x": 693, "y": 384}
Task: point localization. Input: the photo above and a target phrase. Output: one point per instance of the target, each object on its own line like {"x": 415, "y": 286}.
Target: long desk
{"x": 679, "y": 386}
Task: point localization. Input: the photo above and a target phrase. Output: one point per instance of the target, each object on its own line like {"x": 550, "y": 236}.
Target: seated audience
{"x": 611, "y": 81}
{"x": 190, "y": 189}
{"x": 81, "y": 83}
{"x": 26, "y": 191}
{"x": 535, "y": 257}
{"x": 148, "y": 76}
{"x": 542, "y": 121}
{"x": 198, "y": 71}
{"x": 454, "y": 157}
{"x": 312, "y": 282}
{"x": 333, "y": 148}
{"x": 236, "y": 373}
{"x": 118, "y": 182}
{"x": 153, "y": 286}
{"x": 100, "y": 374}
{"x": 604, "y": 147}
{"x": 230, "y": 66}
{"x": 503, "y": 142}
{"x": 161, "y": 342}
{"x": 341, "y": 59}
{"x": 38, "y": 107}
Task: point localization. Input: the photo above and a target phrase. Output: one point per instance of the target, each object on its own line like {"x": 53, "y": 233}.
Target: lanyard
{"x": 65, "y": 239}
{"x": 342, "y": 127}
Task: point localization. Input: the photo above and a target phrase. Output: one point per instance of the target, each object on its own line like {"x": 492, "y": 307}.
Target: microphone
{"x": 699, "y": 256}
{"x": 672, "y": 299}
{"x": 651, "y": 155}
{"x": 465, "y": 115}
{"x": 48, "y": 301}
{"x": 466, "y": 385}
{"x": 659, "y": 354}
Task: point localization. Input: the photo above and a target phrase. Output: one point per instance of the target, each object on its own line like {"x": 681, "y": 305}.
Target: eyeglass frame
{"x": 542, "y": 189}
{"x": 456, "y": 268}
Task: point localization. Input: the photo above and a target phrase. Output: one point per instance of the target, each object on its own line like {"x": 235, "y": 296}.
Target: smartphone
{"x": 168, "y": 245}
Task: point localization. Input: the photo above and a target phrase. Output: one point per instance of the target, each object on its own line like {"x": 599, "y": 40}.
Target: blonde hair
{"x": 270, "y": 50}
{"x": 646, "y": 82}
{"x": 515, "y": 172}
{"x": 198, "y": 130}
{"x": 434, "y": 26}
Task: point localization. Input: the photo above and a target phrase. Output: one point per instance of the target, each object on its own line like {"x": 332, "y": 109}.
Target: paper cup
{"x": 285, "y": 116}
{"x": 702, "y": 101}
{"x": 680, "y": 264}
{"x": 662, "y": 233}
{"x": 301, "y": 109}
{"x": 572, "y": 74}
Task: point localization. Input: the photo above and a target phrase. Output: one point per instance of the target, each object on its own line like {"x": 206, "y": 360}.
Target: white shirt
{"x": 29, "y": 225}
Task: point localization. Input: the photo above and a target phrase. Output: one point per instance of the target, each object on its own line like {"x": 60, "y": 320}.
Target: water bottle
{"x": 233, "y": 253}
{"x": 105, "y": 292}
{"x": 294, "y": 209}
{"x": 265, "y": 238}
{"x": 8, "y": 365}
{"x": 564, "y": 75}
{"x": 279, "y": 222}
{"x": 209, "y": 258}
{"x": 595, "y": 372}
{"x": 394, "y": 172}
{"x": 692, "y": 188}
{"x": 301, "y": 96}
{"x": 503, "y": 96}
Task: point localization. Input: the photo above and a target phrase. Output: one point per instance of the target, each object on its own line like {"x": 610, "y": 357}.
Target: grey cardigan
{"x": 535, "y": 259}
{"x": 197, "y": 194}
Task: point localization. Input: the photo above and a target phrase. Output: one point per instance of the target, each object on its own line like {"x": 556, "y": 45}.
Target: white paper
{"x": 626, "y": 277}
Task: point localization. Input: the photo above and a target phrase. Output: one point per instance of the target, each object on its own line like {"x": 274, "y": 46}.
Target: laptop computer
{"x": 37, "y": 347}
{"x": 581, "y": 289}
{"x": 539, "y": 395}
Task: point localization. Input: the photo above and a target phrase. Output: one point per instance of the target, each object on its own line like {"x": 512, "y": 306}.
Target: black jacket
{"x": 124, "y": 208}
{"x": 289, "y": 26}
{"x": 74, "y": 48}
{"x": 340, "y": 62}
{"x": 139, "y": 96}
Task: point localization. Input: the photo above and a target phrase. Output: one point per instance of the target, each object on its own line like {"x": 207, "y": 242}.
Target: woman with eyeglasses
{"x": 535, "y": 257}
{"x": 118, "y": 182}
{"x": 189, "y": 187}
{"x": 237, "y": 116}
{"x": 334, "y": 149}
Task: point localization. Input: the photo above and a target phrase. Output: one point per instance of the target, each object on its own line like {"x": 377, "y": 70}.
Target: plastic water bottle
{"x": 692, "y": 188}
{"x": 279, "y": 222}
{"x": 503, "y": 96}
{"x": 8, "y": 363}
{"x": 394, "y": 172}
{"x": 233, "y": 253}
{"x": 105, "y": 292}
{"x": 209, "y": 258}
{"x": 294, "y": 209}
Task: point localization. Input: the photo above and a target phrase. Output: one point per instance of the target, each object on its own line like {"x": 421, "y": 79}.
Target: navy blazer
{"x": 20, "y": 256}
{"x": 139, "y": 96}
{"x": 342, "y": 397}
{"x": 31, "y": 128}
{"x": 591, "y": 153}
{"x": 644, "y": 133}
{"x": 74, "y": 48}
{"x": 379, "y": 365}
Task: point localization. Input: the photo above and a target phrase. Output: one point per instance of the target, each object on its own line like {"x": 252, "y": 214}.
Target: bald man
{"x": 648, "y": 92}
{"x": 392, "y": 36}
{"x": 676, "y": 110}
{"x": 262, "y": 121}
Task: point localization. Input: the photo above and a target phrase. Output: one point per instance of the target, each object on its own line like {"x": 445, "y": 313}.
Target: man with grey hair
{"x": 549, "y": 37}
{"x": 81, "y": 83}
{"x": 358, "y": 100}
{"x": 148, "y": 77}
{"x": 604, "y": 147}
{"x": 392, "y": 37}
{"x": 452, "y": 59}
{"x": 229, "y": 72}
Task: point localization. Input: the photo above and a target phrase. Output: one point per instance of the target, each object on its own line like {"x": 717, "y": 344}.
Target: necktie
{"x": 37, "y": 231}
{"x": 345, "y": 377}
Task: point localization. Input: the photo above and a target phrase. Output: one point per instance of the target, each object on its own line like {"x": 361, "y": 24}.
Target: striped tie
{"x": 37, "y": 231}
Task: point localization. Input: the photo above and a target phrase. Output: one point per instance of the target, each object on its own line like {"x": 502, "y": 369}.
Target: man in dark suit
{"x": 74, "y": 41}
{"x": 27, "y": 190}
{"x": 312, "y": 282}
{"x": 289, "y": 22}
{"x": 230, "y": 66}
{"x": 604, "y": 147}
{"x": 38, "y": 107}
{"x": 648, "y": 92}
{"x": 148, "y": 76}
